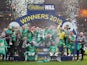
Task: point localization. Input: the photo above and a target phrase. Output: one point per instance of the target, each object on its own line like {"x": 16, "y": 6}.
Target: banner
{"x": 28, "y": 18}
{"x": 40, "y": 12}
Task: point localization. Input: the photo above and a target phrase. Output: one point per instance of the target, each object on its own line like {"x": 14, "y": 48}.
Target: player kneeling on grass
{"x": 53, "y": 52}
{"x": 30, "y": 54}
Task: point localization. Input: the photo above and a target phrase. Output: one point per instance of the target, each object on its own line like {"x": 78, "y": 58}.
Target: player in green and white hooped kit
{"x": 48, "y": 36}
{"x": 72, "y": 39}
{"x": 30, "y": 54}
{"x": 53, "y": 52}
{"x": 3, "y": 46}
{"x": 24, "y": 32}
{"x": 30, "y": 35}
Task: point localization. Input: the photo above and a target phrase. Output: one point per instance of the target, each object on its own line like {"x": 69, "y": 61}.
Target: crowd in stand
{"x": 18, "y": 40}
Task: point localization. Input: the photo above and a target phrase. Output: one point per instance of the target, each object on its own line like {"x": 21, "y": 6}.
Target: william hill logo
{"x": 41, "y": 7}
{"x": 36, "y": 7}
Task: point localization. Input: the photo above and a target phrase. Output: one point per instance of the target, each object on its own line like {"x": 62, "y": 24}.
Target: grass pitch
{"x": 84, "y": 62}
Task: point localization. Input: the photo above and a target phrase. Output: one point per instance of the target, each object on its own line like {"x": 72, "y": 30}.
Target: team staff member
{"x": 81, "y": 40}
